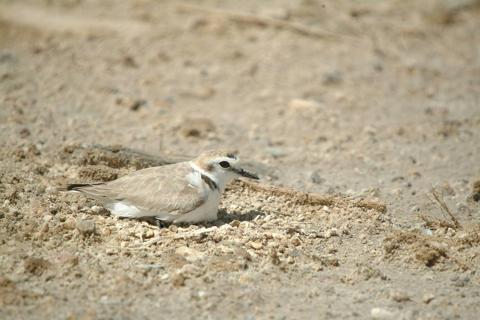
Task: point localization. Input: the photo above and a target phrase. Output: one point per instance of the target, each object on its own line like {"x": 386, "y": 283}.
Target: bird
{"x": 184, "y": 192}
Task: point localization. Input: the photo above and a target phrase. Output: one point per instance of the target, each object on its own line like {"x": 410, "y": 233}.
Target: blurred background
{"x": 358, "y": 98}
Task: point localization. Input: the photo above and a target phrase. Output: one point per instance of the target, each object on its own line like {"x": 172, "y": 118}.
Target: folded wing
{"x": 159, "y": 191}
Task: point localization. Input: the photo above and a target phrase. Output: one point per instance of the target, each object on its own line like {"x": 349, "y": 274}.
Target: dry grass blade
{"x": 243, "y": 18}
{"x": 435, "y": 223}
{"x": 443, "y": 206}
{"x": 312, "y": 198}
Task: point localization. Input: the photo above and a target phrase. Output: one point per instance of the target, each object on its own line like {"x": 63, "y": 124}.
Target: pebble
{"x": 399, "y": 296}
{"x": 450, "y": 232}
{"x": 331, "y": 233}
{"x": 458, "y": 281}
{"x": 86, "y": 227}
{"x": 427, "y": 298}
{"x": 316, "y": 178}
{"x": 245, "y": 278}
{"x": 299, "y": 104}
{"x": 296, "y": 241}
{"x": 381, "y": 313}
{"x": 148, "y": 234}
{"x": 202, "y": 93}
{"x": 190, "y": 270}
{"x": 68, "y": 260}
{"x": 235, "y": 223}
{"x": 255, "y": 245}
{"x": 111, "y": 251}
{"x": 178, "y": 280}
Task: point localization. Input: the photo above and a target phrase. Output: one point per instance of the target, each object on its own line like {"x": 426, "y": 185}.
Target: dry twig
{"x": 443, "y": 206}
{"x": 312, "y": 198}
{"x": 243, "y": 18}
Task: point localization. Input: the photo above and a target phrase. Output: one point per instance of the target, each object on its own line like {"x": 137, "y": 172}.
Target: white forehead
{"x": 231, "y": 159}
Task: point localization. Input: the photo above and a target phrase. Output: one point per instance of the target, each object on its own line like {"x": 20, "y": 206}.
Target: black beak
{"x": 246, "y": 174}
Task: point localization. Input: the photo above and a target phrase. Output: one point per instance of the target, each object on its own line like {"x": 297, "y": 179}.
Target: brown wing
{"x": 157, "y": 190}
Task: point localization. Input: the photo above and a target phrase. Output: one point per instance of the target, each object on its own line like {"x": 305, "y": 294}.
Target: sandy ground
{"x": 362, "y": 107}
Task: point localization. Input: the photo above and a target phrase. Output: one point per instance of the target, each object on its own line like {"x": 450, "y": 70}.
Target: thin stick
{"x": 312, "y": 198}
{"x": 443, "y": 206}
{"x": 243, "y": 18}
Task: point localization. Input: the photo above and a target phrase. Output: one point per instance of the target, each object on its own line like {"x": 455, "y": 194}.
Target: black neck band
{"x": 211, "y": 184}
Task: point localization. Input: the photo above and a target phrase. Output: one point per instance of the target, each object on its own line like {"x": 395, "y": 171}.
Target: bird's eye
{"x": 224, "y": 164}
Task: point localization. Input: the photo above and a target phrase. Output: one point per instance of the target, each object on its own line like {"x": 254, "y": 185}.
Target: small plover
{"x": 182, "y": 192}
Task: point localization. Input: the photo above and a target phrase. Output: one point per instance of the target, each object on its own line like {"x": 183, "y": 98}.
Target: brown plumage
{"x": 186, "y": 191}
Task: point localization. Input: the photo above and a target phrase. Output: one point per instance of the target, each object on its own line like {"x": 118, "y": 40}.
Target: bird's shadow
{"x": 224, "y": 217}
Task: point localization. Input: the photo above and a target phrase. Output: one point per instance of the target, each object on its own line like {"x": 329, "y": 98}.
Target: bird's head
{"x": 222, "y": 166}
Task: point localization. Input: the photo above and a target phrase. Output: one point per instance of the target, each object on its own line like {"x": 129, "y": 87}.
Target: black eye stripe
{"x": 224, "y": 164}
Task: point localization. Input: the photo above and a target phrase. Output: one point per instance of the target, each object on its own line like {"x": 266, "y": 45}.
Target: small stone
{"x": 148, "y": 234}
{"x": 165, "y": 276}
{"x": 202, "y": 93}
{"x": 427, "y": 298}
{"x": 200, "y": 294}
{"x": 460, "y": 281}
{"x": 86, "y": 227}
{"x": 6, "y": 282}
{"x": 178, "y": 280}
{"x": 329, "y": 261}
{"x": 24, "y": 133}
{"x": 235, "y": 223}
{"x": 332, "y": 78}
{"x": 35, "y": 265}
{"x": 132, "y": 104}
{"x": 130, "y": 62}
{"x": 111, "y": 251}
{"x": 316, "y": 178}
{"x": 190, "y": 270}
{"x": 245, "y": 278}
{"x": 255, "y": 245}
{"x": 274, "y": 257}
{"x": 381, "y": 313}
{"x": 68, "y": 260}
{"x": 44, "y": 228}
{"x": 331, "y": 233}
{"x": 399, "y": 296}
{"x": 70, "y": 223}
{"x": 97, "y": 209}
{"x": 296, "y": 241}
{"x": 302, "y": 104}
{"x": 450, "y": 232}
{"x": 137, "y": 104}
